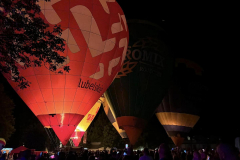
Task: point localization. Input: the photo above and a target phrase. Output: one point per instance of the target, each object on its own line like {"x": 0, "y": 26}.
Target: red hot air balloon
{"x": 96, "y": 35}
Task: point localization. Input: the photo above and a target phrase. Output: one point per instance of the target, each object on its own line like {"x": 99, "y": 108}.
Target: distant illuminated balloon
{"x": 2, "y": 143}
{"x": 112, "y": 117}
{"x": 180, "y": 108}
{"x": 140, "y": 85}
{"x": 85, "y": 122}
{"x": 96, "y": 35}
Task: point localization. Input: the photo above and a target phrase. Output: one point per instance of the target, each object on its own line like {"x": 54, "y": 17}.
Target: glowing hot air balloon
{"x": 179, "y": 110}
{"x": 139, "y": 87}
{"x": 96, "y": 35}
{"x": 2, "y": 143}
{"x": 112, "y": 117}
{"x": 85, "y": 122}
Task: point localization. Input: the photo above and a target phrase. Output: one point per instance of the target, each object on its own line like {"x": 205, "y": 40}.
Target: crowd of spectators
{"x": 222, "y": 152}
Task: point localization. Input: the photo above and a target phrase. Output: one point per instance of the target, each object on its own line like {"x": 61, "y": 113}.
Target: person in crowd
{"x": 61, "y": 156}
{"x": 175, "y": 156}
{"x": 146, "y": 155}
{"x": 113, "y": 155}
{"x": 189, "y": 156}
{"x": 3, "y": 156}
{"x": 156, "y": 155}
{"x": 227, "y": 152}
{"x": 164, "y": 152}
{"x": 183, "y": 156}
{"x": 151, "y": 153}
{"x": 196, "y": 155}
{"x": 203, "y": 156}
{"x": 71, "y": 156}
{"x": 215, "y": 156}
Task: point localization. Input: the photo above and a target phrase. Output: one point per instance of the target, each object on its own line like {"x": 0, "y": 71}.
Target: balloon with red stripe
{"x": 96, "y": 36}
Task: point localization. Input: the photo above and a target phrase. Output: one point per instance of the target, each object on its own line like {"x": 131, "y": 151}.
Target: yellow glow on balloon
{"x": 86, "y": 121}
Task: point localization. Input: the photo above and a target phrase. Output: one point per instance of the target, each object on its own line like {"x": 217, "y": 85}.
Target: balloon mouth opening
{"x": 52, "y": 115}
{"x": 133, "y": 127}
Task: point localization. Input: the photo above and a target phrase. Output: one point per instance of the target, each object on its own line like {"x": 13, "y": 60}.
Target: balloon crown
{"x": 2, "y": 141}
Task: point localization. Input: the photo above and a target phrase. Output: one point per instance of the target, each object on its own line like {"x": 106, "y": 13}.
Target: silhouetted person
{"x": 196, "y": 155}
{"x": 203, "y": 156}
{"x": 61, "y": 156}
{"x": 164, "y": 152}
{"x": 146, "y": 155}
{"x": 156, "y": 155}
{"x": 91, "y": 157}
{"x": 113, "y": 155}
{"x": 3, "y": 157}
{"x": 226, "y": 152}
{"x": 71, "y": 156}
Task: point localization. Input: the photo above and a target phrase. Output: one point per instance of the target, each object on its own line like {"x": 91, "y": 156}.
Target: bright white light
{"x": 62, "y": 118}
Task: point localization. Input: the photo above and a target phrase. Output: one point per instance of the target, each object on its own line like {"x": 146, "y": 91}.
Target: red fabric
{"x": 77, "y": 137}
{"x": 96, "y": 37}
{"x": 18, "y": 150}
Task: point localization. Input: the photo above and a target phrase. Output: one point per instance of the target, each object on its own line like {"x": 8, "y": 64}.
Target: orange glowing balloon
{"x": 96, "y": 35}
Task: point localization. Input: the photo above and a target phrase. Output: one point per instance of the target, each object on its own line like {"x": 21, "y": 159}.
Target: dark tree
{"x": 95, "y": 130}
{"x": 6, "y": 117}
{"x": 34, "y": 137}
{"x": 27, "y": 40}
{"x": 101, "y": 130}
{"x": 111, "y": 137}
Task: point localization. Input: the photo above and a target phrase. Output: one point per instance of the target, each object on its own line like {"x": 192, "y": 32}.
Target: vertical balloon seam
{"x": 40, "y": 89}
{"x": 52, "y": 88}
{"x": 65, "y": 72}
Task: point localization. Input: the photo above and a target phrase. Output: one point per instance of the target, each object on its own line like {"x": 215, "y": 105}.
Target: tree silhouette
{"x": 6, "y": 118}
{"x": 27, "y": 41}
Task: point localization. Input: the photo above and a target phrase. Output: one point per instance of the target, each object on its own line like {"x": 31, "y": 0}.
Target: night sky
{"x": 203, "y": 33}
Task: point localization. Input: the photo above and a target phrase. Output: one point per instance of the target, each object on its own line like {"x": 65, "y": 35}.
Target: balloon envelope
{"x": 180, "y": 108}
{"x": 96, "y": 36}
{"x": 2, "y": 143}
{"x": 85, "y": 122}
{"x": 112, "y": 117}
{"x": 139, "y": 87}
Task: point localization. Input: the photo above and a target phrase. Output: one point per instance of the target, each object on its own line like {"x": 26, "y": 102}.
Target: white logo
{"x": 90, "y": 31}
